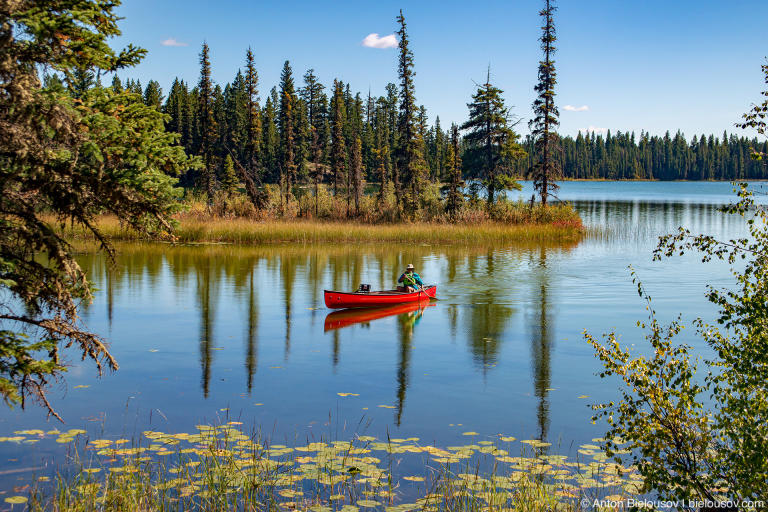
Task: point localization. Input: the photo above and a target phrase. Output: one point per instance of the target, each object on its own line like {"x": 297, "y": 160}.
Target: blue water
{"x": 207, "y": 333}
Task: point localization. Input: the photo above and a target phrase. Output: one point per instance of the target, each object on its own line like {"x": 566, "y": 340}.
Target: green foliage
{"x": 491, "y": 144}
{"x": 71, "y": 154}
{"x": 153, "y": 94}
{"x": 454, "y": 194}
{"x": 229, "y": 182}
{"x": 19, "y": 369}
{"x": 697, "y": 436}
{"x": 756, "y": 118}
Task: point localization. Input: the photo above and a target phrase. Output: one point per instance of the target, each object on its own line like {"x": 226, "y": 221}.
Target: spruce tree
{"x": 208, "y": 130}
{"x": 455, "y": 197}
{"x": 369, "y": 134}
{"x": 545, "y": 120}
{"x": 153, "y": 94}
{"x": 491, "y": 141}
{"x": 381, "y": 152}
{"x": 390, "y": 118}
{"x": 410, "y": 157}
{"x": 338, "y": 144}
{"x": 270, "y": 137}
{"x": 286, "y": 125}
{"x": 174, "y": 108}
{"x": 357, "y": 172}
{"x": 253, "y": 119}
{"x": 116, "y": 85}
{"x": 313, "y": 97}
{"x": 437, "y": 151}
{"x": 229, "y": 180}
{"x": 80, "y": 81}
{"x": 234, "y": 130}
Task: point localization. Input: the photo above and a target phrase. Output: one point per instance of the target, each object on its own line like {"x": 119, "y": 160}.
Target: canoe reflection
{"x": 347, "y": 317}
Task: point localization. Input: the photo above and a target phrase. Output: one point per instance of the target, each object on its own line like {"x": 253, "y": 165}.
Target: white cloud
{"x": 173, "y": 42}
{"x": 374, "y": 41}
{"x": 571, "y": 108}
{"x": 595, "y": 129}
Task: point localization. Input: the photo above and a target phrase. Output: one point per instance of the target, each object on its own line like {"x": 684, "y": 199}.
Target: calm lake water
{"x": 211, "y": 333}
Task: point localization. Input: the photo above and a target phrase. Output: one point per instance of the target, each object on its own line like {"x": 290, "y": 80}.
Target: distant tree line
{"x": 624, "y": 156}
{"x": 253, "y": 133}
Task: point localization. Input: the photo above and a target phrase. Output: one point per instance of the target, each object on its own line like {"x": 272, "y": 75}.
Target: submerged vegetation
{"x": 223, "y": 468}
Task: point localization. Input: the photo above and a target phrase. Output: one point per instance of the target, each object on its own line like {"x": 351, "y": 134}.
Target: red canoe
{"x": 338, "y": 300}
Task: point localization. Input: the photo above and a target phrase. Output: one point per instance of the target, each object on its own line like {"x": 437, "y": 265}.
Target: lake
{"x": 213, "y": 333}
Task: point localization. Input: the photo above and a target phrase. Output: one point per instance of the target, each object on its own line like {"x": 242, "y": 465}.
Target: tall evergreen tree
{"x": 174, "y": 108}
{"x": 545, "y": 120}
{"x": 491, "y": 141}
{"x": 233, "y": 132}
{"x": 80, "y": 81}
{"x": 357, "y": 172}
{"x": 338, "y": 144}
{"x": 117, "y": 86}
{"x": 313, "y": 97}
{"x": 381, "y": 152}
{"x": 455, "y": 196}
{"x": 229, "y": 180}
{"x": 270, "y": 137}
{"x": 208, "y": 131}
{"x": 286, "y": 125}
{"x": 410, "y": 159}
{"x": 253, "y": 119}
{"x": 437, "y": 151}
{"x": 153, "y": 94}
{"x": 390, "y": 119}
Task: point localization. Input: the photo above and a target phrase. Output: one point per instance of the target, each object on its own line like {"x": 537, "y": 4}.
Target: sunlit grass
{"x": 247, "y": 231}
{"x": 220, "y": 468}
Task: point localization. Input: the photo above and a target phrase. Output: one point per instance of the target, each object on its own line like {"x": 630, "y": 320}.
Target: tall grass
{"x": 234, "y": 219}
{"x": 248, "y": 231}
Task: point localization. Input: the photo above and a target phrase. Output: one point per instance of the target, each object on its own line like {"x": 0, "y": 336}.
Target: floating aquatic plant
{"x": 220, "y": 467}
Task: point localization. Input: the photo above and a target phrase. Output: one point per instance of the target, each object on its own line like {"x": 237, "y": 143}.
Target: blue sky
{"x": 652, "y": 65}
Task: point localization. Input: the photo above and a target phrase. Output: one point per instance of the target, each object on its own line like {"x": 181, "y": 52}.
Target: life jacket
{"x": 409, "y": 279}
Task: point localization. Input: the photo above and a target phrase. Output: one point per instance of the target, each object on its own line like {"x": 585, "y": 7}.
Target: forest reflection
{"x": 478, "y": 288}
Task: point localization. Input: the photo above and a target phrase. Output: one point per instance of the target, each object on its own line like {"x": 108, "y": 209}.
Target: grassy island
{"x": 237, "y": 221}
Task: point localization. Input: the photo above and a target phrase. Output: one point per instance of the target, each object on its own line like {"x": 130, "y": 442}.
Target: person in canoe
{"x": 410, "y": 279}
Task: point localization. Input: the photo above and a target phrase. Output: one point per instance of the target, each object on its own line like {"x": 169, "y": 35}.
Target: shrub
{"x": 692, "y": 437}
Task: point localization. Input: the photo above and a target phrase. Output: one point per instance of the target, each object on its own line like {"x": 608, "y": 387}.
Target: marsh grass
{"x": 255, "y": 232}
{"x": 220, "y": 468}
{"x": 235, "y": 220}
